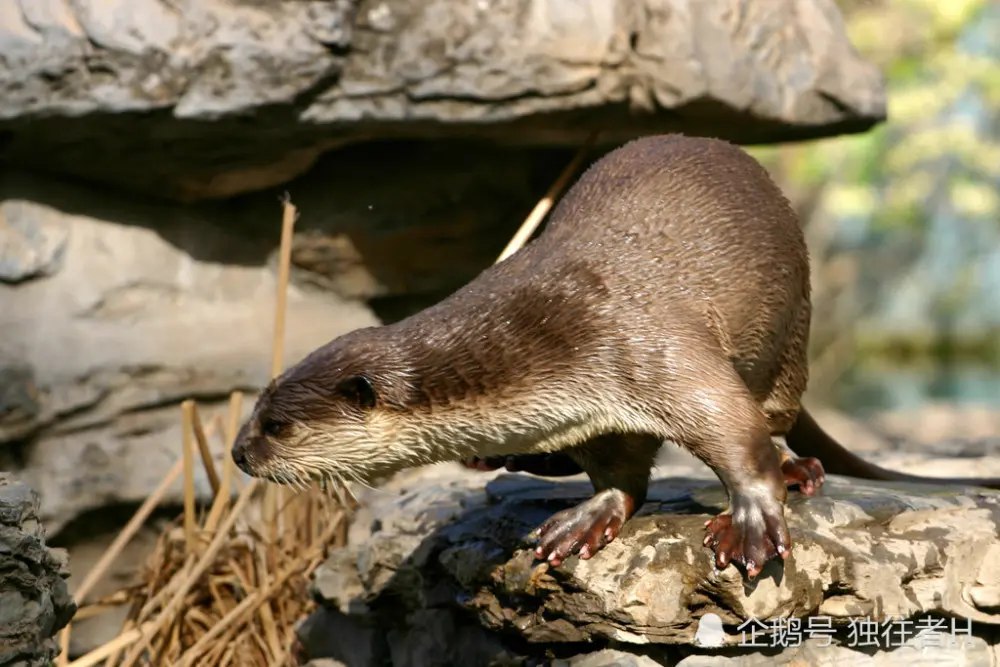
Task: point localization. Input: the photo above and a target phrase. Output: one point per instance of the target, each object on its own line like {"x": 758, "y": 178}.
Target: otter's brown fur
{"x": 667, "y": 299}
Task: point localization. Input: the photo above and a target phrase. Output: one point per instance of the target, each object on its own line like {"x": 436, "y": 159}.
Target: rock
{"x": 151, "y": 305}
{"x": 154, "y": 303}
{"x": 31, "y": 246}
{"x": 863, "y": 552}
{"x": 195, "y": 100}
{"x": 34, "y": 601}
{"x": 19, "y": 406}
{"x": 607, "y": 658}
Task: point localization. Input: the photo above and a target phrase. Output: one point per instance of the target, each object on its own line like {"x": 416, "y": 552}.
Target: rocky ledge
{"x": 195, "y": 100}
{"x": 442, "y": 573}
{"x": 34, "y": 600}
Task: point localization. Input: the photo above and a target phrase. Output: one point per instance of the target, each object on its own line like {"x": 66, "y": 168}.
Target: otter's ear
{"x": 359, "y": 390}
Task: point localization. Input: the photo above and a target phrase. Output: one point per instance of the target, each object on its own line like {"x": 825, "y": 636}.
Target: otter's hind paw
{"x": 805, "y": 473}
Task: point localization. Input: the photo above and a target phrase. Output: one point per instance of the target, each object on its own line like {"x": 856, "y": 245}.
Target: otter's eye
{"x": 272, "y": 428}
{"x": 359, "y": 390}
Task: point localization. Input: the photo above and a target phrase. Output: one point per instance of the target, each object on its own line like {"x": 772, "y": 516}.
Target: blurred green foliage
{"x": 886, "y": 175}
{"x": 904, "y": 220}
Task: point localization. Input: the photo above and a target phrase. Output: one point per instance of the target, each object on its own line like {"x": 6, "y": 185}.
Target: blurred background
{"x": 903, "y": 221}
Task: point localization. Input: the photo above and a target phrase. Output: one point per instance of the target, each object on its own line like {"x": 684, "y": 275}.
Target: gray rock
{"x": 19, "y": 402}
{"x": 608, "y": 658}
{"x": 120, "y": 93}
{"x": 862, "y": 552}
{"x": 158, "y": 302}
{"x": 152, "y": 305}
{"x": 31, "y": 245}
{"x": 932, "y": 650}
{"x": 34, "y": 601}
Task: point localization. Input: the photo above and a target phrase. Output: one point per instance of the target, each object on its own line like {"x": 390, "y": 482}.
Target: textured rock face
{"x": 413, "y": 135}
{"x": 34, "y": 602}
{"x": 116, "y": 308}
{"x": 444, "y": 552}
{"x": 147, "y": 307}
{"x": 122, "y": 92}
{"x": 150, "y": 304}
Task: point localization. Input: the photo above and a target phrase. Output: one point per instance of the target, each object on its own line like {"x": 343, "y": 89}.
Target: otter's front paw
{"x": 805, "y": 473}
{"x": 750, "y": 534}
{"x": 583, "y": 529}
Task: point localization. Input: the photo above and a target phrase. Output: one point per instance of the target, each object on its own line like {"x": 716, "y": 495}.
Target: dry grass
{"x": 226, "y": 586}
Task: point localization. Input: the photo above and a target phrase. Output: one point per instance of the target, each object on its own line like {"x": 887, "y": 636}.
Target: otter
{"x": 667, "y": 299}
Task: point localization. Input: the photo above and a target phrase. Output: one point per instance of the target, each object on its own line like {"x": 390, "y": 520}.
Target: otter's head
{"x": 332, "y": 417}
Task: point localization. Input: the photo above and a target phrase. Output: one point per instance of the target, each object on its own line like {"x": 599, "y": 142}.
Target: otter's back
{"x": 696, "y": 221}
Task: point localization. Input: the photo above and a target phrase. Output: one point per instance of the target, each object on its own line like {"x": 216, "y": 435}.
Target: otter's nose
{"x": 240, "y": 456}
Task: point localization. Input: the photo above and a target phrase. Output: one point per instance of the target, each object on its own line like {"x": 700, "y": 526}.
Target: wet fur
{"x": 666, "y": 299}
{"x": 610, "y": 306}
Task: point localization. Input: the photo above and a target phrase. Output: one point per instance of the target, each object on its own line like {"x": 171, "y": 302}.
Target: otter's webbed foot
{"x": 805, "y": 473}
{"x": 556, "y": 464}
{"x": 750, "y": 534}
{"x": 584, "y": 529}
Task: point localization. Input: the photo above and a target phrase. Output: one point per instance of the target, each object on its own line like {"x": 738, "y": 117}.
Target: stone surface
{"x": 932, "y": 650}
{"x": 34, "y": 600}
{"x": 607, "y": 658}
{"x": 435, "y": 545}
{"x": 151, "y": 305}
{"x": 194, "y": 100}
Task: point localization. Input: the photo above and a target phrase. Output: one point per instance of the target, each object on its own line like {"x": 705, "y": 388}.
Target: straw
{"x": 234, "y": 601}
{"x": 544, "y": 205}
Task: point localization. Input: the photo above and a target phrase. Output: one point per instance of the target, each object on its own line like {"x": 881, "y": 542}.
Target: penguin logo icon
{"x": 710, "y": 633}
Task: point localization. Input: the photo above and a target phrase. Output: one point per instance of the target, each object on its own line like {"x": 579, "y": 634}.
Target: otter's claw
{"x": 584, "y": 529}
{"x": 749, "y": 536}
{"x": 805, "y": 473}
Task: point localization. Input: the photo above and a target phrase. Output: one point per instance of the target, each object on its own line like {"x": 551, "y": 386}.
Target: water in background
{"x": 876, "y": 388}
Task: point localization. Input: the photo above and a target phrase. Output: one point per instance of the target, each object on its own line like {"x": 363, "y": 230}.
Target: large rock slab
{"x": 200, "y": 99}
{"x": 445, "y": 554}
{"x": 145, "y": 307}
{"x": 34, "y": 601}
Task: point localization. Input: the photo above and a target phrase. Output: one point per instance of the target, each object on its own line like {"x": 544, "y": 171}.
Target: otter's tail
{"x": 808, "y": 439}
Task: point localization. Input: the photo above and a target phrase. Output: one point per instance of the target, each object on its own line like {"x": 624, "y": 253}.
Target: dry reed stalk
{"x": 545, "y": 204}
{"x": 230, "y": 587}
{"x": 114, "y": 549}
{"x": 102, "y": 652}
{"x": 98, "y": 607}
{"x": 289, "y": 215}
{"x": 62, "y": 660}
{"x": 116, "y": 655}
{"x": 240, "y": 613}
{"x": 203, "y": 563}
{"x": 188, "y": 458}
{"x": 228, "y": 467}
{"x": 128, "y": 532}
{"x": 266, "y": 613}
{"x": 206, "y": 451}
